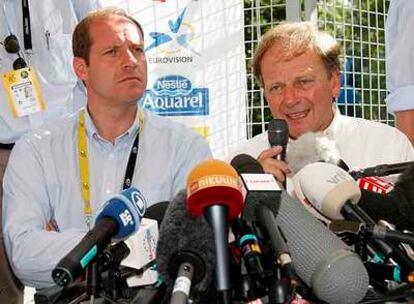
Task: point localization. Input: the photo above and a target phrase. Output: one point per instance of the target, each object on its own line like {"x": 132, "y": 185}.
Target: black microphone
{"x": 119, "y": 218}
{"x": 321, "y": 259}
{"x": 278, "y": 135}
{"x": 185, "y": 251}
{"x": 382, "y": 170}
{"x": 249, "y": 246}
{"x": 157, "y": 212}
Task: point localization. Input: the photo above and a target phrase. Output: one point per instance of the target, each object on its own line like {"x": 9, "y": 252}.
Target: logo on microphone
{"x": 338, "y": 177}
{"x": 214, "y": 181}
{"x": 126, "y": 218}
{"x": 139, "y": 201}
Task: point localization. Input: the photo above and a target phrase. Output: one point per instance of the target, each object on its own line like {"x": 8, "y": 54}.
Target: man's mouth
{"x": 297, "y": 115}
{"x": 132, "y": 78}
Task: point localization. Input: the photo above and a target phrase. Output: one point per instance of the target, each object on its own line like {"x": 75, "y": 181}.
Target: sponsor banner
{"x": 196, "y": 65}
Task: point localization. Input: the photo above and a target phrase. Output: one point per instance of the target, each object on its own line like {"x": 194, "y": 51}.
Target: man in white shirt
{"x": 298, "y": 68}
{"x": 44, "y": 209}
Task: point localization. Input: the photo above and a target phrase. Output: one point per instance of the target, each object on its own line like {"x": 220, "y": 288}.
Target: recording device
{"x": 213, "y": 190}
{"x": 118, "y": 218}
{"x": 278, "y": 135}
{"x": 321, "y": 259}
{"x": 185, "y": 251}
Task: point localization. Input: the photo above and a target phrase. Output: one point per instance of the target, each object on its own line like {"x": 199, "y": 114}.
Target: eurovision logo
{"x": 174, "y": 95}
{"x": 171, "y": 43}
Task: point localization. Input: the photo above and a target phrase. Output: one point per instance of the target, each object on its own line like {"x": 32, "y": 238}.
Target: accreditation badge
{"x": 23, "y": 92}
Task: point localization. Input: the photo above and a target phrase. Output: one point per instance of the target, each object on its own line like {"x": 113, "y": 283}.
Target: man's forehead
{"x": 118, "y": 25}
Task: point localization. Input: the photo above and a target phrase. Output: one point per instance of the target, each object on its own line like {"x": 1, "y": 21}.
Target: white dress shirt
{"x": 42, "y": 182}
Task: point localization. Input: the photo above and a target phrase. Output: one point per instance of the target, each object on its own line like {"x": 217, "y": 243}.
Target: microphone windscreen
{"x": 157, "y": 211}
{"x": 180, "y": 233}
{"x": 309, "y": 148}
{"x": 278, "y": 132}
{"x": 214, "y": 182}
{"x": 127, "y": 209}
{"x": 321, "y": 259}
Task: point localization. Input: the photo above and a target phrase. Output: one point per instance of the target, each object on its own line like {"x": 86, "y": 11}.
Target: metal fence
{"x": 358, "y": 25}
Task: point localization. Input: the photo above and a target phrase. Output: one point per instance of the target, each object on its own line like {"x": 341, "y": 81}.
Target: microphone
{"x": 313, "y": 147}
{"x": 335, "y": 194}
{"x": 213, "y": 190}
{"x": 157, "y": 212}
{"x": 261, "y": 205}
{"x": 119, "y": 218}
{"x": 382, "y": 170}
{"x": 278, "y": 135}
{"x": 185, "y": 251}
{"x": 389, "y": 272}
{"x": 321, "y": 259}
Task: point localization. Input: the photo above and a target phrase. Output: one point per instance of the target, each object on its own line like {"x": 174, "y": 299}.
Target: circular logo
{"x": 24, "y": 74}
{"x": 139, "y": 200}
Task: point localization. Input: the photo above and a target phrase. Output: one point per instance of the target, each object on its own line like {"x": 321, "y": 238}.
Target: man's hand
{"x": 278, "y": 168}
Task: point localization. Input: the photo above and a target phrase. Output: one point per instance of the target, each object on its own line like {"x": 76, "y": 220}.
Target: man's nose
{"x": 290, "y": 95}
{"x": 129, "y": 60}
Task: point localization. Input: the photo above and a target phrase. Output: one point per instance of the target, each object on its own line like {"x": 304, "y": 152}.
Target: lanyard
{"x": 84, "y": 164}
{"x": 27, "y": 33}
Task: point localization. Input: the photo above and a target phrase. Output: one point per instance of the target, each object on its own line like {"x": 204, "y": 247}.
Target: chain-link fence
{"x": 358, "y": 25}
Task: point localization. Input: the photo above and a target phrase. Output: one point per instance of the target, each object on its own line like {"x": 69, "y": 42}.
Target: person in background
{"x": 399, "y": 47}
{"x": 45, "y": 180}
{"x": 46, "y": 49}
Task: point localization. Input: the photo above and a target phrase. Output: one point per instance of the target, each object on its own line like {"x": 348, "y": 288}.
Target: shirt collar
{"x": 92, "y": 132}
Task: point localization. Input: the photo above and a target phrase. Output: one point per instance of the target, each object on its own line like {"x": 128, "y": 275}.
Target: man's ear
{"x": 336, "y": 82}
{"x": 81, "y": 68}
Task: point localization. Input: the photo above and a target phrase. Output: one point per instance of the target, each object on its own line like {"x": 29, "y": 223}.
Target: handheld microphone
{"x": 213, "y": 189}
{"x": 185, "y": 251}
{"x": 321, "y": 259}
{"x": 278, "y": 135}
{"x": 119, "y": 218}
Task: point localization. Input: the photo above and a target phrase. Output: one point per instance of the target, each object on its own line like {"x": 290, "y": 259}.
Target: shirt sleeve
{"x": 399, "y": 47}
{"x": 32, "y": 250}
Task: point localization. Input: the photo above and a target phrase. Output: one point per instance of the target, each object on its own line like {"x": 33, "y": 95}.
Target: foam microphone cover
{"x": 181, "y": 233}
{"x": 321, "y": 259}
{"x": 214, "y": 182}
{"x": 278, "y": 133}
{"x": 309, "y": 148}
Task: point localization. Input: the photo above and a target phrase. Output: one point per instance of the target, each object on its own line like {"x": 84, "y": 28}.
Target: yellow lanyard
{"x": 83, "y": 164}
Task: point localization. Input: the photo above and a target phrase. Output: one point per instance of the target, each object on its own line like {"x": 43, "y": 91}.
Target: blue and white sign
{"x": 174, "y": 95}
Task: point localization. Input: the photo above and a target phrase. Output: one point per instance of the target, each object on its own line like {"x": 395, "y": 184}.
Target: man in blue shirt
{"x": 59, "y": 175}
